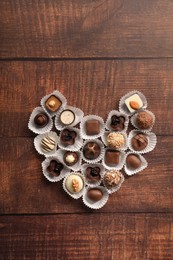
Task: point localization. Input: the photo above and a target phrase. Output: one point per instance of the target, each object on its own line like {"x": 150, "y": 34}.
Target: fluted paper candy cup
{"x": 52, "y": 141}
{"x": 58, "y": 95}
{"x": 129, "y": 171}
{"x": 118, "y": 114}
{"x": 151, "y": 137}
{"x": 76, "y": 195}
{"x": 83, "y": 132}
{"x": 123, "y": 108}
{"x": 34, "y": 128}
{"x": 101, "y": 173}
{"x": 95, "y": 204}
{"x": 48, "y": 175}
{"x": 78, "y": 115}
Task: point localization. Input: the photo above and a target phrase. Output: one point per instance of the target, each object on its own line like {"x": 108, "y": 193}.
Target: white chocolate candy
{"x": 134, "y": 98}
{"x": 74, "y": 183}
{"x": 67, "y": 117}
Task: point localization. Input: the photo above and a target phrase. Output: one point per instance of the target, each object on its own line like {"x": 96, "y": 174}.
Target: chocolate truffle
{"x": 92, "y": 127}
{"x": 133, "y": 161}
{"x": 67, "y": 117}
{"x": 112, "y": 178}
{"x": 95, "y": 194}
{"x": 144, "y": 120}
{"x": 139, "y": 142}
{"x": 133, "y": 103}
{"x": 41, "y": 120}
{"x": 112, "y": 157}
{"x": 115, "y": 140}
{"x": 92, "y": 174}
{"x": 68, "y": 137}
{"x": 55, "y": 168}
{"x": 53, "y": 103}
{"x": 74, "y": 183}
{"x": 91, "y": 150}
{"x": 48, "y": 144}
{"x": 70, "y": 158}
{"x": 117, "y": 123}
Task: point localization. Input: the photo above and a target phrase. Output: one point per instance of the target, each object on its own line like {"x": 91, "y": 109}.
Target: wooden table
{"x": 94, "y": 52}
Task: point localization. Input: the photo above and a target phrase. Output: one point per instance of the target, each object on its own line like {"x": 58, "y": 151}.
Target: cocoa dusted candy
{"x": 144, "y": 120}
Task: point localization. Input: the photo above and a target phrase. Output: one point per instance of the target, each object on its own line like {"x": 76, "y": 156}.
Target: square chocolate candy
{"x": 92, "y": 127}
{"x": 112, "y": 157}
{"x": 53, "y": 103}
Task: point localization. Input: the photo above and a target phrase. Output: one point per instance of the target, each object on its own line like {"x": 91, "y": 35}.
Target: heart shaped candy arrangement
{"x": 87, "y": 153}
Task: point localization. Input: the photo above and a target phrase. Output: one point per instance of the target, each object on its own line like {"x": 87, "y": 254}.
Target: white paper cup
{"x": 78, "y": 194}
{"x": 33, "y": 127}
{"x": 83, "y": 128}
{"x": 78, "y": 117}
{"x": 102, "y": 170}
{"x": 122, "y": 106}
{"x": 152, "y": 140}
{"x": 98, "y": 204}
{"x": 78, "y": 141}
{"x": 134, "y": 123}
{"x": 48, "y": 176}
{"x": 101, "y": 151}
{"x": 116, "y": 113}
{"x": 123, "y": 148}
{"x": 60, "y": 96}
{"x": 76, "y": 166}
{"x": 37, "y": 143}
{"x": 116, "y": 188}
{"x": 144, "y": 165}
{"x": 118, "y": 166}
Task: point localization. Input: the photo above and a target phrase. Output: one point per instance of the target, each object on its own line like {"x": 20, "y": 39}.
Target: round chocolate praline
{"x": 139, "y": 142}
{"x": 95, "y": 194}
{"x": 67, "y": 117}
{"x": 91, "y": 150}
{"x": 144, "y": 120}
{"x": 70, "y": 158}
{"x": 133, "y": 161}
{"x": 41, "y": 120}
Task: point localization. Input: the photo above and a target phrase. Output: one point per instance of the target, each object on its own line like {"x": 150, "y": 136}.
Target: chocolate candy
{"x": 94, "y": 194}
{"x": 55, "y": 168}
{"x": 133, "y": 103}
{"x": 70, "y": 158}
{"x": 112, "y": 178}
{"x": 144, "y": 120}
{"x": 53, "y": 103}
{"x": 139, "y": 142}
{"x": 115, "y": 140}
{"x": 41, "y": 120}
{"x": 74, "y": 183}
{"x": 67, "y": 117}
{"x": 92, "y": 127}
{"x": 48, "y": 144}
{"x": 117, "y": 123}
{"x": 92, "y": 174}
{"x": 112, "y": 157}
{"x": 133, "y": 161}
{"x": 91, "y": 150}
{"x": 68, "y": 137}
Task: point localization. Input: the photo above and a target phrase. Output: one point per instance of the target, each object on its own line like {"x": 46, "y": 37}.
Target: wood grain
{"x": 73, "y": 29}
{"x": 89, "y": 236}
{"x": 24, "y": 189}
{"x": 93, "y": 86}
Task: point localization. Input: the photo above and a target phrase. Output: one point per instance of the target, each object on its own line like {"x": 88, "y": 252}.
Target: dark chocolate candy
{"x": 93, "y": 174}
{"x": 91, "y": 150}
{"x": 70, "y": 158}
{"x": 41, "y": 120}
{"x": 55, "y": 168}
{"x": 68, "y": 137}
{"x": 117, "y": 122}
{"x": 92, "y": 127}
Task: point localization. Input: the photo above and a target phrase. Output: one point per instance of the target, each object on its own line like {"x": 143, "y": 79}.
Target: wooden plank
{"x": 86, "y": 28}
{"x": 90, "y": 236}
{"x": 93, "y": 86}
{"x": 23, "y": 188}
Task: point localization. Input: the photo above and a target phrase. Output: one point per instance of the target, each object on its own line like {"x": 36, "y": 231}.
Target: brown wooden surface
{"x": 93, "y": 52}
